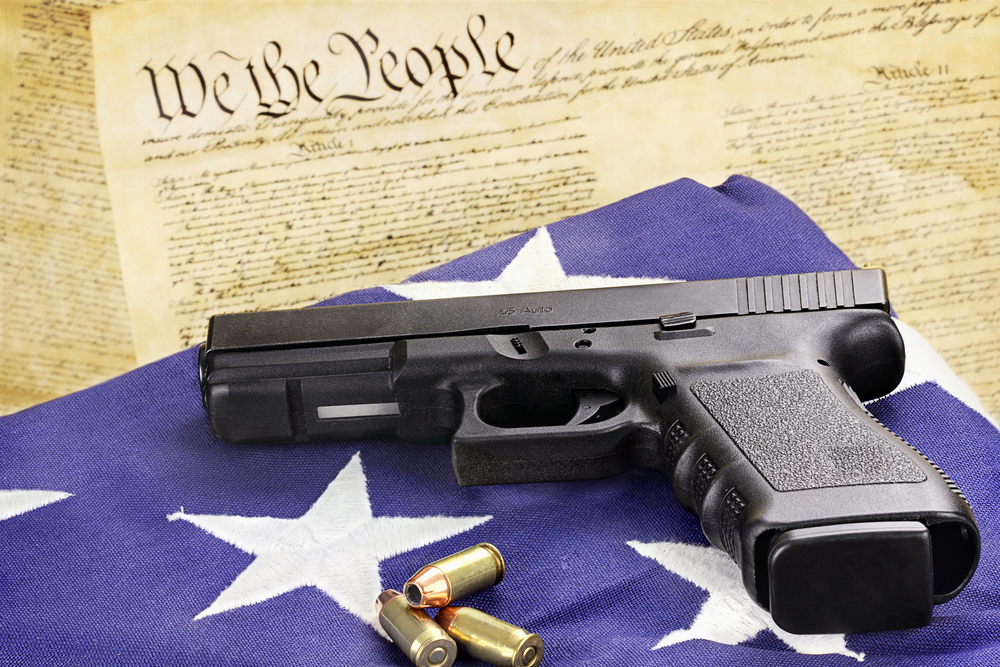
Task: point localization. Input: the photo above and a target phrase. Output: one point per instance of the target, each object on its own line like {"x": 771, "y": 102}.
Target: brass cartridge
{"x": 455, "y": 576}
{"x": 414, "y": 631}
{"x": 489, "y": 639}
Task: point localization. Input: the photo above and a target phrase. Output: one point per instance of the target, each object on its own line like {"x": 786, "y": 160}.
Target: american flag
{"x": 131, "y": 536}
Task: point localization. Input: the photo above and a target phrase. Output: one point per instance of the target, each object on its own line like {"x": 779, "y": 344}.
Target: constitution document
{"x": 274, "y": 154}
{"x": 63, "y": 320}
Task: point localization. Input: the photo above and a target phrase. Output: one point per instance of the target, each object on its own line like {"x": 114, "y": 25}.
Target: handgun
{"x": 746, "y": 393}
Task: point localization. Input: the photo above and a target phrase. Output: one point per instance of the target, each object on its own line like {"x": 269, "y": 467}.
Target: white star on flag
{"x": 336, "y": 546}
{"x": 19, "y": 501}
{"x": 729, "y": 616}
{"x": 536, "y": 268}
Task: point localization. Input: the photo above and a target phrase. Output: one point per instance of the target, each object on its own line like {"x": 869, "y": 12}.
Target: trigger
{"x": 595, "y": 405}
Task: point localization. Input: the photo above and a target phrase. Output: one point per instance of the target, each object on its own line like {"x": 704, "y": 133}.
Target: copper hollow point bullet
{"x": 452, "y": 578}
{"x": 490, "y": 639}
{"x": 414, "y": 631}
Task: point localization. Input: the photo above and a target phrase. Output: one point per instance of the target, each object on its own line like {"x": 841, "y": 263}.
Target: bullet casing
{"x": 456, "y": 576}
{"x": 414, "y": 631}
{"x": 489, "y": 639}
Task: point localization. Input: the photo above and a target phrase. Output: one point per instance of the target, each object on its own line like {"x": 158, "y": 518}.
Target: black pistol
{"x": 745, "y": 393}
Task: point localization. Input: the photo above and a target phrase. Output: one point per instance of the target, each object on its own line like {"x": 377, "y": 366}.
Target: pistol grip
{"x": 837, "y": 523}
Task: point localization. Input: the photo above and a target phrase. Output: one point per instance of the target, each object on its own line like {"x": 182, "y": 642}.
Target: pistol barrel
{"x": 633, "y": 304}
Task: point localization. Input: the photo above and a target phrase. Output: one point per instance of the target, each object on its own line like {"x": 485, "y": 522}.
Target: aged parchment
{"x": 63, "y": 320}
{"x": 270, "y": 158}
{"x": 637, "y": 90}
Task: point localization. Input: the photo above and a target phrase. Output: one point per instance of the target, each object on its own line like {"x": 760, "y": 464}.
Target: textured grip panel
{"x": 729, "y": 524}
{"x": 799, "y": 436}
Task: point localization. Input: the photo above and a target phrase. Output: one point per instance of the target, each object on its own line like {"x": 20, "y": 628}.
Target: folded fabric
{"x": 131, "y": 536}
